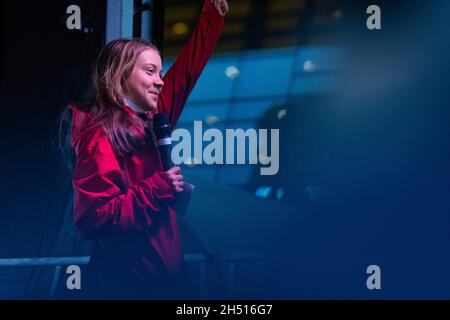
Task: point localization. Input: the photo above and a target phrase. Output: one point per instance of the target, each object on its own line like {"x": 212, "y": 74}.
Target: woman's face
{"x": 144, "y": 84}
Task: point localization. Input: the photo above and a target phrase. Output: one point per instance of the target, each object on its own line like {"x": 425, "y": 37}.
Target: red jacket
{"x": 124, "y": 203}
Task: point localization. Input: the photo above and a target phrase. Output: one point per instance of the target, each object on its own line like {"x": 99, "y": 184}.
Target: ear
{"x": 123, "y": 91}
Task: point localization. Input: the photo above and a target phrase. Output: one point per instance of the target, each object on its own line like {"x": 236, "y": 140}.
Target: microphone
{"x": 162, "y": 129}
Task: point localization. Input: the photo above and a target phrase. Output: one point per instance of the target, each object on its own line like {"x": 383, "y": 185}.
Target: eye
{"x": 150, "y": 71}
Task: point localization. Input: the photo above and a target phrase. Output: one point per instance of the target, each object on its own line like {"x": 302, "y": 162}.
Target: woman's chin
{"x": 153, "y": 107}
{"x": 150, "y": 105}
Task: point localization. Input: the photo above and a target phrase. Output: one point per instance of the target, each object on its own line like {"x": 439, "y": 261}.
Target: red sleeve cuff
{"x": 163, "y": 188}
{"x": 210, "y": 11}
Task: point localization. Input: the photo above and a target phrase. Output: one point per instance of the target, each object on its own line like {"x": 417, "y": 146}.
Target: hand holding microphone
{"x": 163, "y": 130}
{"x": 176, "y": 179}
{"x": 184, "y": 191}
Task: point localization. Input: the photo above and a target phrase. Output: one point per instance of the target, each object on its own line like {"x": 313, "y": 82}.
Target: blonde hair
{"x": 114, "y": 65}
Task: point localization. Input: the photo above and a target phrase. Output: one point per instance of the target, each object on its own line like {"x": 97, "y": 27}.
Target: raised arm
{"x": 180, "y": 79}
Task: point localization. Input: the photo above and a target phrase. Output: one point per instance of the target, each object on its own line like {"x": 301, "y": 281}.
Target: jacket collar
{"x": 132, "y": 107}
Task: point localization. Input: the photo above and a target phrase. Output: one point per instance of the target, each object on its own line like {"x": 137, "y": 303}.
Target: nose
{"x": 159, "y": 83}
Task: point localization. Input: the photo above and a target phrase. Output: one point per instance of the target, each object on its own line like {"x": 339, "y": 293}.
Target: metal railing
{"x": 203, "y": 260}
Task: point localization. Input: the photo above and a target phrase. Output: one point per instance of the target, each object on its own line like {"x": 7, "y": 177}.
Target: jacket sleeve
{"x": 181, "y": 77}
{"x": 103, "y": 208}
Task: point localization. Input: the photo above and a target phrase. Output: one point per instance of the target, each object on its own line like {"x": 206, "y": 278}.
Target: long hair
{"x": 106, "y": 100}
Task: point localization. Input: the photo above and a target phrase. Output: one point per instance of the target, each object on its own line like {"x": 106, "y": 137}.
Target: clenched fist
{"x": 221, "y": 6}
{"x": 175, "y": 178}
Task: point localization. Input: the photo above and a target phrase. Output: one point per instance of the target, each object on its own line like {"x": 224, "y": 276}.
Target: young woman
{"x": 123, "y": 200}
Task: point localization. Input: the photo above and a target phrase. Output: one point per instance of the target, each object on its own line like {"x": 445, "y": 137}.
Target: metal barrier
{"x": 230, "y": 259}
